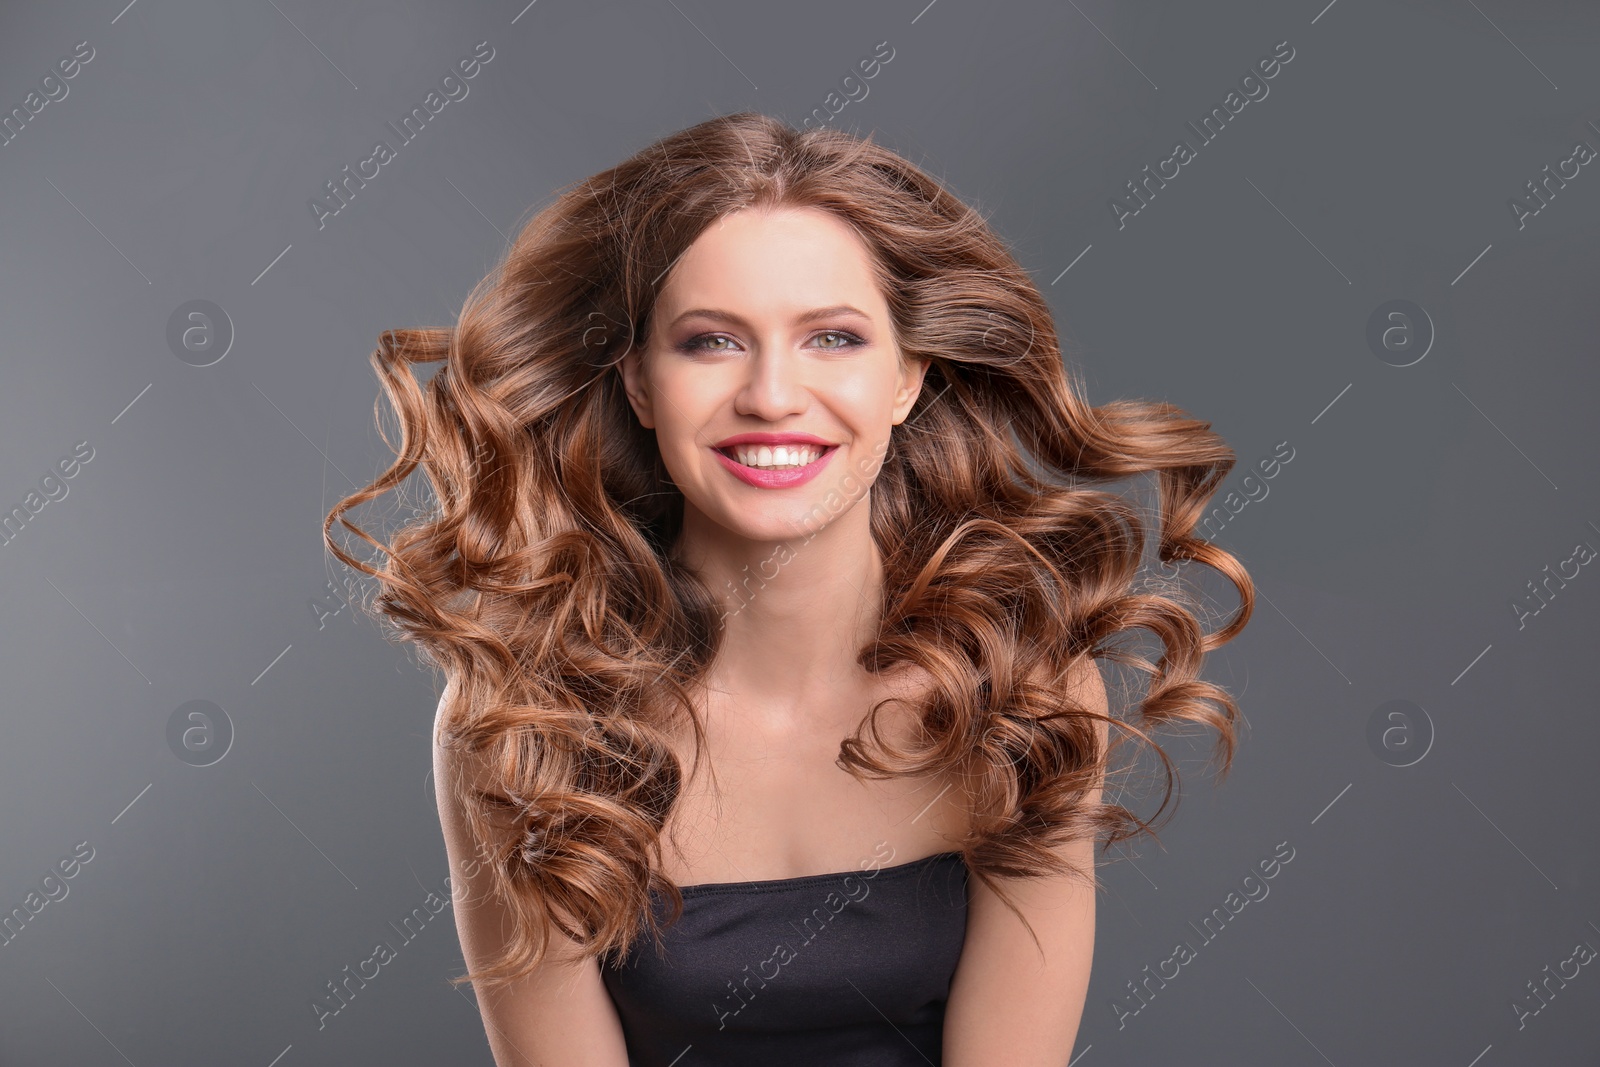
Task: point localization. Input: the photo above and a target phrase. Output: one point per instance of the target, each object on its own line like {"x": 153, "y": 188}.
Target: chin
{"x": 797, "y": 524}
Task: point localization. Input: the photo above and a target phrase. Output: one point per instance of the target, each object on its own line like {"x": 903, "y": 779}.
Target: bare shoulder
{"x": 559, "y": 1013}
{"x": 1020, "y": 987}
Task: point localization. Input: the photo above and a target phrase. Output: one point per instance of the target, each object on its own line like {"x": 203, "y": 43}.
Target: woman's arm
{"x": 1008, "y": 1004}
{"x": 559, "y": 1015}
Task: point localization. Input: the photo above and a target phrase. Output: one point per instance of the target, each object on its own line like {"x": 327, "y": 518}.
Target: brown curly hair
{"x": 539, "y": 577}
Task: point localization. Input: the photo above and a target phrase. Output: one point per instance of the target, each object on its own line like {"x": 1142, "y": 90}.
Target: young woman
{"x": 768, "y": 567}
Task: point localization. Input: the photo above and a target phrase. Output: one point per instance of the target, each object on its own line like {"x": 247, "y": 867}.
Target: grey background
{"x": 185, "y": 562}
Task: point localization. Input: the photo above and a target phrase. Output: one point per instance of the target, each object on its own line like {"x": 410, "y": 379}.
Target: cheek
{"x": 868, "y": 397}
{"x": 679, "y": 402}
{"x": 679, "y": 445}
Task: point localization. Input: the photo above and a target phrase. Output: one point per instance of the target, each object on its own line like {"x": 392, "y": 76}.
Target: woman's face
{"x": 771, "y": 374}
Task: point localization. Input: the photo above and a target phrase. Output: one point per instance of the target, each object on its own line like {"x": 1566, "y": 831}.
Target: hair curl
{"x": 539, "y": 579}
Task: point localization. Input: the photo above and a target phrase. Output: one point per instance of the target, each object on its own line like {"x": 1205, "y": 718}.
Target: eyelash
{"x": 694, "y": 344}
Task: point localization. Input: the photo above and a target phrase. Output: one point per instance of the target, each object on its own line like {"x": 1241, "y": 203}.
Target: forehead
{"x": 774, "y": 262}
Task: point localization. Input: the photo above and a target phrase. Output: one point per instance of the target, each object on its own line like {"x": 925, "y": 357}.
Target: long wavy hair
{"x": 539, "y": 576}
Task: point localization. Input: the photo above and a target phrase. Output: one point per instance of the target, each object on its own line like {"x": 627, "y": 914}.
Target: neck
{"x": 796, "y": 612}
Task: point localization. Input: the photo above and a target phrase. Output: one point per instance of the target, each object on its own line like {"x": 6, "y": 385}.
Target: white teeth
{"x": 780, "y": 457}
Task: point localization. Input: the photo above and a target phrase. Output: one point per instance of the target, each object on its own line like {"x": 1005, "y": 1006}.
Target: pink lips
{"x": 777, "y": 479}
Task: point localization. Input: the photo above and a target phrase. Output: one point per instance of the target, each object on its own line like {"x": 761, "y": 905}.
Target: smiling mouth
{"x": 776, "y": 457}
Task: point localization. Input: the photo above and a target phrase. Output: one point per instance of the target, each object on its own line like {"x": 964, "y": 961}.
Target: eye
{"x": 847, "y": 340}
{"x": 829, "y": 340}
{"x": 698, "y": 344}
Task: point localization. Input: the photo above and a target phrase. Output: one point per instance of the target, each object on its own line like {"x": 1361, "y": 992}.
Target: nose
{"x": 773, "y": 388}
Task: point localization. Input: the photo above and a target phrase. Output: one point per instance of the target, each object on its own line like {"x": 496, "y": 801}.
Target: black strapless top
{"x": 849, "y": 970}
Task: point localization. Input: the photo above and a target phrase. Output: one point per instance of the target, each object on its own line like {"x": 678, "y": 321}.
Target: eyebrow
{"x": 804, "y": 317}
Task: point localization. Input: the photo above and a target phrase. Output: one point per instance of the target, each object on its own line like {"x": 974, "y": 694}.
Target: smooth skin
{"x": 749, "y": 334}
